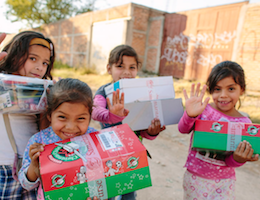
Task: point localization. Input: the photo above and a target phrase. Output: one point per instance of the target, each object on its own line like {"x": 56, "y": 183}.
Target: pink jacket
{"x": 203, "y": 165}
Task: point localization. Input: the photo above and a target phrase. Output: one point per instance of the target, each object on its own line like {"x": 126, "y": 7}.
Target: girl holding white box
{"x": 123, "y": 63}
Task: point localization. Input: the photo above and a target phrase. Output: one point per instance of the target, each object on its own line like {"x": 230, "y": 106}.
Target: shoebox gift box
{"x": 169, "y": 111}
{"x": 20, "y": 94}
{"x": 225, "y": 136}
{"x": 105, "y": 164}
{"x": 143, "y": 89}
{"x": 147, "y": 98}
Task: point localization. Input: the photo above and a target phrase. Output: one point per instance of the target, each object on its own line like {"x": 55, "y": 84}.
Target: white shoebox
{"x": 143, "y": 89}
{"x": 169, "y": 111}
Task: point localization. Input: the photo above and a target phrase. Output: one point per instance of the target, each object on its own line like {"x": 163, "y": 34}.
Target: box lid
{"x": 228, "y": 135}
{"x": 8, "y": 81}
{"x": 149, "y": 82}
{"x": 235, "y": 128}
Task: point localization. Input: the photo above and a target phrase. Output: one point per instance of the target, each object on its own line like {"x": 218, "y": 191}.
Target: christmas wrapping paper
{"x": 225, "y": 136}
{"x": 107, "y": 163}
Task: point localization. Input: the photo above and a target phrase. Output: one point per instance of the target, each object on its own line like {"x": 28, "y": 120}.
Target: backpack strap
{"x": 9, "y": 132}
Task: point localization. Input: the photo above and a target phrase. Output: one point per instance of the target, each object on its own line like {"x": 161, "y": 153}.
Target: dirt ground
{"x": 169, "y": 152}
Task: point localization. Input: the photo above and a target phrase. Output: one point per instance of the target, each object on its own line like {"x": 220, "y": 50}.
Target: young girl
{"x": 214, "y": 178}
{"x": 123, "y": 63}
{"x": 65, "y": 96}
{"x": 27, "y": 54}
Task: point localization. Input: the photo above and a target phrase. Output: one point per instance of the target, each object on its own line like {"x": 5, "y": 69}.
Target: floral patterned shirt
{"x": 46, "y": 136}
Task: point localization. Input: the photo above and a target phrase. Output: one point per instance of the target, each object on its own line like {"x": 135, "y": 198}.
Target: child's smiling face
{"x": 70, "y": 120}
{"x": 37, "y": 62}
{"x": 128, "y": 69}
{"x": 225, "y": 96}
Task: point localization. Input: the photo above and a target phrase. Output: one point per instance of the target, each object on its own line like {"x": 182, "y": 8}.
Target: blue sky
{"x": 164, "y": 5}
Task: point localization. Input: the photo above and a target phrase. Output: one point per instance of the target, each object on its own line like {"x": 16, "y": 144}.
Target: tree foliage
{"x": 46, "y": 11}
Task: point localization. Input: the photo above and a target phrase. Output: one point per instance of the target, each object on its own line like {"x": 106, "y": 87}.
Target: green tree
{"x": 46, "y": 11}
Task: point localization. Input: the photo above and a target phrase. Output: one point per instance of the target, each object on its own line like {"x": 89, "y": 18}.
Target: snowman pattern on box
{"x": 81, "y": 175}
{"x": 111, "y": 171}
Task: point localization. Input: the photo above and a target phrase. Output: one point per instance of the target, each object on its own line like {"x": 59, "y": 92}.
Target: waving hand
{"x": 194, "y": 105}
{"x": 117, "y": 107}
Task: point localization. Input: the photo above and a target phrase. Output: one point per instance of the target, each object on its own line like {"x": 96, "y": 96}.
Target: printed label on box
{"x": 234, "y": 135}
{"x": 109, "y": 140}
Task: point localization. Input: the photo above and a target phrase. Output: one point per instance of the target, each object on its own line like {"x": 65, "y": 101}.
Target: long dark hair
{"x": 18, "y": 51}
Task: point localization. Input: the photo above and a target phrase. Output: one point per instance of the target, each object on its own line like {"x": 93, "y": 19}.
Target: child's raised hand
{"x": 244, "y": 153}
{"x": 118, "y": 107}
{"x": 194, "y": 105}
{"x": 155, "y": 127}
{"x": 34, "y": 152}
{"x": 2, "y": 54}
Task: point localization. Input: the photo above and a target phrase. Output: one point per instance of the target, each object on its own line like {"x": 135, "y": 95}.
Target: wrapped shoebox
{"x": 107, "y": 163}
{"x": 225, "y": 136}
{"x": 143, "y": 89}
{"x": 19, "y": 94}
{"x": 169, "y": 111}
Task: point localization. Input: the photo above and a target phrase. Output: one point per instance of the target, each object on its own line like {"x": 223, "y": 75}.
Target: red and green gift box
{"x": 225, "y": 136}
{"x": 105, "y": 164}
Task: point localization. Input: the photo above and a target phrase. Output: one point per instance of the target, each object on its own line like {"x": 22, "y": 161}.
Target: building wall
{"x": 205, "y": 37}
{"x": 174, "y": 49}
{"x": 146, "y": 36}
{"x": 73, "y": 37}
{"x": 247, "y": 50}
{"x": 198, "y": 40}
{"x": 138, "y": 26}
{"x": 101, "y": 44}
